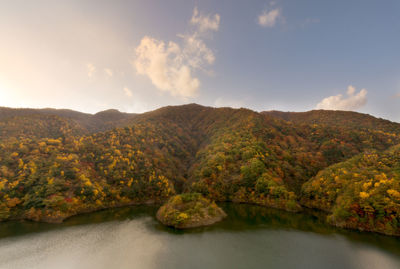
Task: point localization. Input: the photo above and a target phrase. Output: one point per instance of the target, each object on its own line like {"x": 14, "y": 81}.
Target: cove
{"x": 250, "y": 237}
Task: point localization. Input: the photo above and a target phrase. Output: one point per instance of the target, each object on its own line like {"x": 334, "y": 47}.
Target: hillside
{"x": 53, "y": 170}
{"x": 54, "y": 123}
{"x": 361, "y": 193}
{"x": 341, "y": 119}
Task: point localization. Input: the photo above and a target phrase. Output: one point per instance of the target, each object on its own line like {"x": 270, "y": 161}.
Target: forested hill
{"x": 27, "y": 122}
{"x": 342, "y": 119}
{"x": 57, "y": 163}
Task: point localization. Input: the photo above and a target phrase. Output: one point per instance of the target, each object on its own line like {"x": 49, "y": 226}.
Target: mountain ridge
{"x": 57, "y": 166}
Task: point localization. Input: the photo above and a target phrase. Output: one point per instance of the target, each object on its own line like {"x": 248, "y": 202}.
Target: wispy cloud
{"x": 109, "y": 73}
{"x": 353, "y": 101}
{"x": 269, "y": 17}
{"x": 205, "y": 22}
{"x": 91, "y": 70}
{"x": 127, "y": 92}
{"x": 171, "y": 66}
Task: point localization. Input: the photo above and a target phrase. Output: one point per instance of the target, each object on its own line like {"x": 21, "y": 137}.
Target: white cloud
{"x": 91, "y": 69}
{"x": 163, "y": 64}
{"x": 196, "y": 52}
{"x": 268, "y": 18}
{"x": 127, "y": 92}
{"x": 171, "y": 66}
{"x": 351, "y": 90}
{"x": 205, "y": 23}
{"x": 353, "y": 100}
{"x": 108, "y": 72}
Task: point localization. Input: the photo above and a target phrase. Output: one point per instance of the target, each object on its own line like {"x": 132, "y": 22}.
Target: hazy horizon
{"x": 136, "y": 56}
{"x": 90, "y": 113}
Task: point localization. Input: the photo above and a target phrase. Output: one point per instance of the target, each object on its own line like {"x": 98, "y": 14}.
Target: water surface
{"x": 251, "y": 237}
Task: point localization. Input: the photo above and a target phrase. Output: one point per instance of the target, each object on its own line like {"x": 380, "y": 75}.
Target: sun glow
{"x": 3, "y": 94}
{"x": 8, "y": 97}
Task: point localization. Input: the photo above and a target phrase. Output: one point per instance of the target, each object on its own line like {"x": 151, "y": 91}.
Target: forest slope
{"x": 337, "y": 118}
{"x": 54, "y": 123}
{"x": 226, "y": 154}
{"x": 360, "y": 193}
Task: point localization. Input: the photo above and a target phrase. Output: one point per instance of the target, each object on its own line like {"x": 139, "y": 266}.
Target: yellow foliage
{"x": 55, "y": 142}
{"x": 2, "y": 184}
{"x": 366, "y": 185}
{"x": 182, "y": 217}
{"x": 393, "y": 193}
{"x": 42, "y": 144}
{"x": 20, "y": 163}
{"x": 13, "y": 202}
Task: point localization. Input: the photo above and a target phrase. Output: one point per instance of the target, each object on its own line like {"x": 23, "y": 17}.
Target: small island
{"x": 189, "y": 210}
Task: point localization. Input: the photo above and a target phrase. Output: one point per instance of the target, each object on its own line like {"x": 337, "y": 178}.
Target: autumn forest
{"x": 59, "y": 163}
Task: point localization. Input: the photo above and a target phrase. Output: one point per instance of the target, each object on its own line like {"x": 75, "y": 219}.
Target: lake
{"x": 251, "y": 237}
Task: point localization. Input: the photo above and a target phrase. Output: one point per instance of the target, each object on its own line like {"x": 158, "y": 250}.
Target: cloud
{"x": 171, "y": 66}
{"x": 91, "y": 70}
{"x": 164, "y": 65}
{"x": 353, "y": 100}
{"x": 108, "y": 72}
{"x": 127, "y": 92}
{"x": 205, "y": 23}
{"x": 268, "y": 18}
{"x": 196, "y": 52}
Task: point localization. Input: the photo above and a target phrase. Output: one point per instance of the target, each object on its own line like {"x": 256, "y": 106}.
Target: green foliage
{"x": 190, "y": 197}
{"x": 54, "y": 164}
{"x": 363, "y": 192}
{"x": 60, "y": 177}
{"x": 38, "y": 126}
{"x": 189, "y": 210}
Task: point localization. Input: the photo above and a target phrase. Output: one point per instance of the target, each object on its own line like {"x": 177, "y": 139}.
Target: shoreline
{"x": 305, "y": 210}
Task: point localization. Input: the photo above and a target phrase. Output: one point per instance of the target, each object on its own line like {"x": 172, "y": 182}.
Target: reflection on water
{"x": 251, "y": 237}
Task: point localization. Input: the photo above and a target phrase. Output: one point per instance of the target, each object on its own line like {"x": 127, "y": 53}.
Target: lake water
{"x": 251, "y": 237}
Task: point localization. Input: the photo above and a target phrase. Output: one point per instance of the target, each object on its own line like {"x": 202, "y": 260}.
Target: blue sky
{"x": 139, "y": 55}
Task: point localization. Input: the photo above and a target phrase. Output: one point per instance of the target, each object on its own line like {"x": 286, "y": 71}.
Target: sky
{"x": 136, "y": 56}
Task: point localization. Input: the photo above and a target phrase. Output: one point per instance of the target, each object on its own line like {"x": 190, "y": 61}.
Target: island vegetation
{"x": 189, "y": 210}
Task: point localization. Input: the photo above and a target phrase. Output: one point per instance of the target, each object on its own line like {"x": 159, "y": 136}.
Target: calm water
{"x": 251, "y": 237}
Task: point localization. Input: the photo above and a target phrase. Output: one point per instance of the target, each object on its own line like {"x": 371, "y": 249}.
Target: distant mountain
{"x": 57, "y": 163}
{"x": 6, "y": 112}
{"x": 112, "y": 115}
{"x": 39, "y": 126}
{"x": 339, "y": 118}
{"x": 54, "y": 123}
